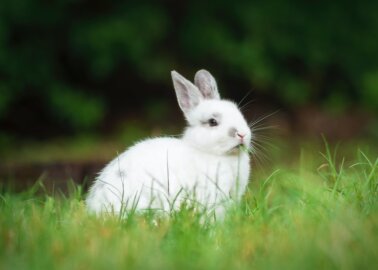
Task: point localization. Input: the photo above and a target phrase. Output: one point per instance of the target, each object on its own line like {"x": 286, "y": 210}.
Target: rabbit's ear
{"x": 188, "y": 95}
{"x": 206, "y": 84}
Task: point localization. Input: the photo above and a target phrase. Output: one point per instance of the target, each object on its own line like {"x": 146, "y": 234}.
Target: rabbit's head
{"x": 214, "y": 126}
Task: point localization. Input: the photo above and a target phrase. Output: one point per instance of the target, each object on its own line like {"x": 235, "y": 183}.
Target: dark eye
{"x": 213, "y": 122}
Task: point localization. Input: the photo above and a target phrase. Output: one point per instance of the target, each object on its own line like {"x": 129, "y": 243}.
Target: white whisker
{"x": 240, "y": 102}
{"x": 242, "y": 108}
{"x": 258, "y": 120}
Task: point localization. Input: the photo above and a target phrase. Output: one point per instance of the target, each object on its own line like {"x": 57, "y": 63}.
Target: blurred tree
{"x": 80, "y": 60}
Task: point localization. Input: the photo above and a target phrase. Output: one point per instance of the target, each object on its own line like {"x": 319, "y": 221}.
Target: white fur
{"x": 203, "y": 165}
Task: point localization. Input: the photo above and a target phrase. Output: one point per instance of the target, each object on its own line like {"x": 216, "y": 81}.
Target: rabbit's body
{"x": 170, "y": 170}
{"x": 206, "y": 166}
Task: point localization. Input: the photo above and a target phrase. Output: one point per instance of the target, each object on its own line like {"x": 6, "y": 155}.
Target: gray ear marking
{"x": 188, "y": 95}
{"x": 206, "y": 84}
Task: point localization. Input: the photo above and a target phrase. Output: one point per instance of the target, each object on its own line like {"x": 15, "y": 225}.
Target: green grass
{"x": 321, "y": 212}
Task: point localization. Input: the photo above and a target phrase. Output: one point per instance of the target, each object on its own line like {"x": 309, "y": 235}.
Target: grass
{"x": 321, "y": 212}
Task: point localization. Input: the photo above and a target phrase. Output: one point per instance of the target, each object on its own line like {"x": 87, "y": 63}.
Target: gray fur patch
{"x": 232, "y": 132}
{"x": 121, "y": 174}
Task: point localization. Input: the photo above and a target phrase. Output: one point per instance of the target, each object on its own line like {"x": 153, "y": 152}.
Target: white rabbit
{"x": 207, "y": 165}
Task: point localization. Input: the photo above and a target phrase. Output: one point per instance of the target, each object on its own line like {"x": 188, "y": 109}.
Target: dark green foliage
{"x": 82, "y": 59}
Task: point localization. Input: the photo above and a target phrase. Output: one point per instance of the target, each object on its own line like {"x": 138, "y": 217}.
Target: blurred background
{"x": 80, "y": 80}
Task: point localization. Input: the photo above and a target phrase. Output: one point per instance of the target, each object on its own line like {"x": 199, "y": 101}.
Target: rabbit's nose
{"x": 241, "y": 136}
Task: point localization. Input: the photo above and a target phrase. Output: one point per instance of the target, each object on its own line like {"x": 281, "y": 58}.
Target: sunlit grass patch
{"x": 298, "y": 217}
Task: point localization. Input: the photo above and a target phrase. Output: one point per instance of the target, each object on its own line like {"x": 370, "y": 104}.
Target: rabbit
{"x": 208, "y": 165}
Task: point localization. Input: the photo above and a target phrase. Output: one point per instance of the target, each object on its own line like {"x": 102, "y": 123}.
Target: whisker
{"x": 260, "y": 134}
{"x": 261, "y": 141}
{"x": 252, "y": 124}
{"x": 245, "y": 96}
{"x": 261, "y": 150}
{"x": 246, "y": 104}
{"x": 258, "y": 160}
{"x": 264, "y": 139}
{"x": 262, "y": 127}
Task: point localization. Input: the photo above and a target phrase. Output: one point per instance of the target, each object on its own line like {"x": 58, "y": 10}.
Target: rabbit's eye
{"x": 212, "y": 122}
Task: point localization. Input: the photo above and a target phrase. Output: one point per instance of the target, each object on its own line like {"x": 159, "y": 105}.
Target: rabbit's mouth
{"x": 237, "y": 148}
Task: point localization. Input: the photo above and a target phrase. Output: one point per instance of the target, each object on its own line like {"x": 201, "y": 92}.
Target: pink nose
{"x": 241, "y": 136}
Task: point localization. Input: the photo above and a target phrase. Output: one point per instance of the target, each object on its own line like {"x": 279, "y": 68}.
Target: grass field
{"x": 318, "y": 212}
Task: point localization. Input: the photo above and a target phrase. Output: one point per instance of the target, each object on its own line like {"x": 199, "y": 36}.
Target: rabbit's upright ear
{"x": 187, "y": 93}
{"x": 206, "y": 84}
